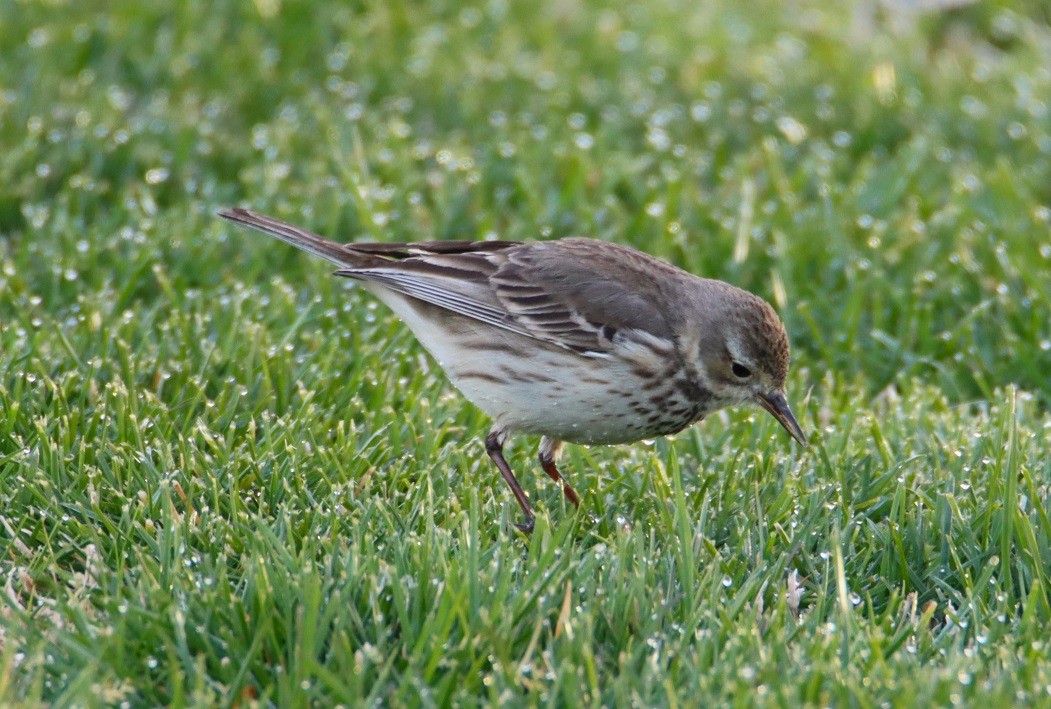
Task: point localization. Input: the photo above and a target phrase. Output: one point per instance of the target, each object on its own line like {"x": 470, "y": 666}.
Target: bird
{"x": 575, "y": 340}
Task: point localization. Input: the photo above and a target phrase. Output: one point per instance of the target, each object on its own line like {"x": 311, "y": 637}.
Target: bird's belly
{"x": 565, "y": 401}
{"x": 530, "y": 387}
{"x": 577, "y": 410}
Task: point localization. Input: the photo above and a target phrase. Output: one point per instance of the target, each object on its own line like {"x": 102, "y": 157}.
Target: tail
{"x": 300, "y": 238}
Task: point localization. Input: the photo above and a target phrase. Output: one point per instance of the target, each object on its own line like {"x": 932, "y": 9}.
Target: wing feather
{"x": 563, "y": 293}
{"x": 470, "y": 298}
{"x": 572, "y": 292}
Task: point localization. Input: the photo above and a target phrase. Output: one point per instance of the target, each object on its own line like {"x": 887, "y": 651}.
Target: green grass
{"x": 226, "y": 476}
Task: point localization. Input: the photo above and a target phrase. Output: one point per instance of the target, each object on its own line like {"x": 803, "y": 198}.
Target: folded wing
{"x": 568, "y": 293}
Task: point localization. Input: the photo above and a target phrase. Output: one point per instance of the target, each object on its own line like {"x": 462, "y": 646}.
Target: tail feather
{"x": 300, "y": 238}
{"x": 361, "y": 255}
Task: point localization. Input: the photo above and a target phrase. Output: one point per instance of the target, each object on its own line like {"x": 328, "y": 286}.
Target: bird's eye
{"x": 740, "y": 370}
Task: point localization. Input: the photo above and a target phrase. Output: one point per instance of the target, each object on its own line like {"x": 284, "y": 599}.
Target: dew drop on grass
{"x": 627, "y": 41}
{"x": 655, "y": 209}
{"x": 584, "y": 141}
{"x": 38, "y": 38}
{"x": 157, "y": 175}
{"x": 794, "y": 131}
{"x": 727, "y": 582}
{"x": 700, "y": 111}
{"x": 1016, "y": 131}
{"x": 658, "y": 139}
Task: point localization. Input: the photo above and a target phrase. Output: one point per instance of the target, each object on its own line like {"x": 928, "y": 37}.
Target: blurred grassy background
{"x": 225, "y": 476}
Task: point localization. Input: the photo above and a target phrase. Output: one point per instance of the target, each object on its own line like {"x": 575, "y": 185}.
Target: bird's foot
{"x": 525, "y": 527}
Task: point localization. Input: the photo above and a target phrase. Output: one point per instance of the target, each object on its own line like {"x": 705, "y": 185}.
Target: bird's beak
{"x": 776, "y": 403}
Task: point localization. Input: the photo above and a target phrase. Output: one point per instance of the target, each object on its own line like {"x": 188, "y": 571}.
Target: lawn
{"x": 227, "y": 477}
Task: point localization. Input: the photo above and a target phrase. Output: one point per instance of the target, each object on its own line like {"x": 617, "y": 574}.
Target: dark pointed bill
{"x": 777, "y": 405}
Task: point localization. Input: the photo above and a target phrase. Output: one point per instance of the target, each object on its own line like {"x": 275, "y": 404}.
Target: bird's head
{"x": 741, "y": 354}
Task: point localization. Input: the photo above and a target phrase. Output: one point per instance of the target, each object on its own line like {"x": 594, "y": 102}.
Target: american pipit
{"x": 574, "y": 340}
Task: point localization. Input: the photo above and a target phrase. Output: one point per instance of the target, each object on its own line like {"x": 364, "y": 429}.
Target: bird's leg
{"x": 549, "y": 452}
{"x": 494, "y": 446}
